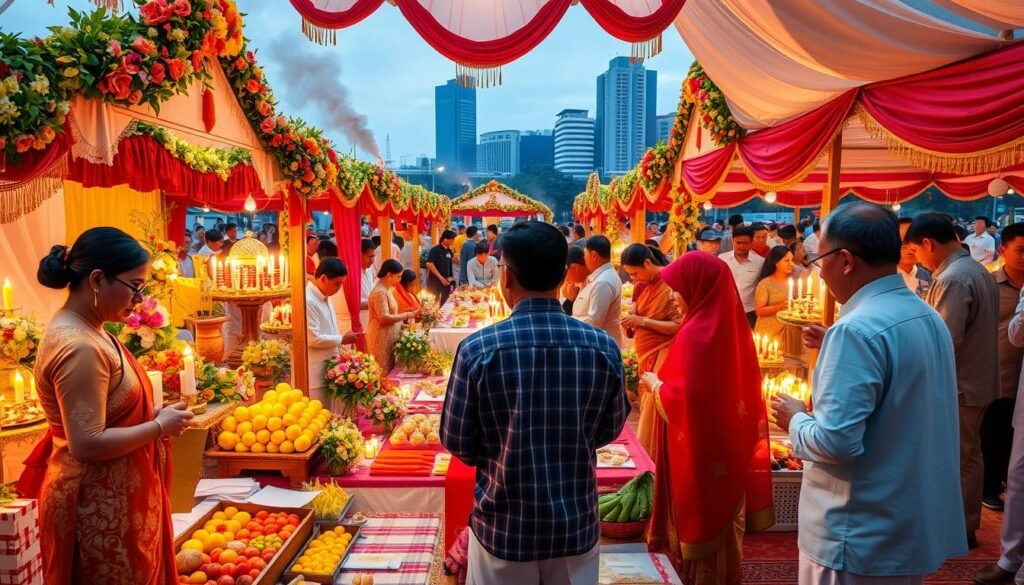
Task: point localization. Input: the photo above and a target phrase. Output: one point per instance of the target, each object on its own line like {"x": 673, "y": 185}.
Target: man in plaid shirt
{"x": 529, "y": 401}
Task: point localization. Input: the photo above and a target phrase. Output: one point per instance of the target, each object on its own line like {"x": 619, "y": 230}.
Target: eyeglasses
{"x": 816, "y": 261}
{"x": 138, "y": 292}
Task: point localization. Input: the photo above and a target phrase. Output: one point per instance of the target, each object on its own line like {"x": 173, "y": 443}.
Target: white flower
{"x": 41, "y": 85}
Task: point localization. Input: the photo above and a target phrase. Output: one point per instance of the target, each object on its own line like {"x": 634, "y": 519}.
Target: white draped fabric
{"x": 776, "y": 60}
{"x": 22, "y": 244}
{"x": 997, "y": 14}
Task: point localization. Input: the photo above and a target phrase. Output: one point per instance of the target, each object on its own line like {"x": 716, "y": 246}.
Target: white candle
{"x": 271, "y": 274}
{"x": 213, "y": 271}
{"x": 799, "y": 288}
{"x": 32, "y": 393}
{"x": 19, "y": 388}
{"x": 789, "y": 304}
{"x": 156, "y": 379}
{"x": 260, "y": 266}
{"x": 775, "y": 349}
{"x": 284, "y": 268}
{"x": 187, "y": 375}
{"x": 368, "y": 450}
{"x": 8, "y": 295}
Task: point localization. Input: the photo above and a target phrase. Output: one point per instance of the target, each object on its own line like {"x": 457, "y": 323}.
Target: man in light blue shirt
{"x": 880, "y": 498}
{"x": 483, "y": 268}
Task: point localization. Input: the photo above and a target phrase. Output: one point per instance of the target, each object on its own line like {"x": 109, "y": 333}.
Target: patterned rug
{"x": 770, "y": 558}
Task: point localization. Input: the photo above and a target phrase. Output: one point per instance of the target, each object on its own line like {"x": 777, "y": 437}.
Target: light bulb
{"x": 896, "y": 207}
{"x": 708, "y": 206}
{"x": 770, "y": 197}
{"x": 206, "y": 208}
{"x": 1010, "y": 191}
{"x": 250, "y": 204}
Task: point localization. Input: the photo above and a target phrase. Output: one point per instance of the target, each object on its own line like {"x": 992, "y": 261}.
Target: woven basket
{"x": 622, "y": 530}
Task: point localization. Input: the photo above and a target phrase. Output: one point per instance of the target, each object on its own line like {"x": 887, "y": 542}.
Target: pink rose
{"x": 157, "y": 73}
{"x": 134, "y": 321}
{"x": 330, "y": 374}
{"x": 156, "y": 320}
{"x": 132, "y": 62}
{"x": 118, "y": 84}
{"x": 175, "y": 68}
{"x": 267, "y": 125}
{"x": 264, "y": 108}
{"x": 143, "y": 45}
{"x": 114, "y": 48}
{"x": 181, "y": 8}
{"x": 282, "y": 122}
{"x": 155, "y": 12}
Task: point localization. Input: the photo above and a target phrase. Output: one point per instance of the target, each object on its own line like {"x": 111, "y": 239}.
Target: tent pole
{"x": 638, "y": 227}
{"x": 435, "y": 233}
{"x": 297, "y": 271}
{"x": 796, "y": 217}
{"x": 414, "y": 234}
{"x": 384, "y": 225}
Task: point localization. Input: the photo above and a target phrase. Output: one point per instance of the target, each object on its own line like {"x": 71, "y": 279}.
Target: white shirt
{"x": 745, "y": 275}
{"x": 369, "y": 280}
{"x": 186, "y": 269}
{"x": 322, "y": 335}
{"x": 205, "y": 252}
{"x": 983, "y": 247}
{"x": 378, "y": 258}
{"x": 775, "y": 241}
{"x": 600, "y": 301}
{"x": 484, "y": 274}
{"x": 909, "y": 277}
{"x": 811, "y": 244}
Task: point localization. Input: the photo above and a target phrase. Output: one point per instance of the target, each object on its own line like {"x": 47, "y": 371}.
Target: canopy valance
{"x": 494, "y": 199}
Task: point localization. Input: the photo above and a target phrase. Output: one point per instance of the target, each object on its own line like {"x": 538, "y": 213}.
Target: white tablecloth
{"x": 447, "y": 339}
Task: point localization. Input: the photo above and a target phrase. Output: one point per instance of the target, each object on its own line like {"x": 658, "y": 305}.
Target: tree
{"x": 550, "y": 186}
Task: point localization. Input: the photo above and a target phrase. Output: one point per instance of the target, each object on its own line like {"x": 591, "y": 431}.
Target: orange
{"x": 248, "y": 439}
{"x": 242, "y": 414}
{"x": 259, "y": 422}
{"x": 293, "y": 432}
{"x": 244, "y": 428}
{"x": 215, "y": 540}
{"x": 302, "y": 443}
{"x": 263, "y": 436}
{"x": 193, "y": 544}
{"x": 287, "y": 447}
{"x": 274, "y": 423}
{"x": 227, "y": 440}
{"x": 229, "y": 424}
{"x": 278, "y": 437}
{"x": 228, "y": 556}
{"x": 270, "y": 397}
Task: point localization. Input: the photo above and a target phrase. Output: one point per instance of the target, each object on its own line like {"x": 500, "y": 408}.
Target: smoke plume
{"x": 313, "y": 77}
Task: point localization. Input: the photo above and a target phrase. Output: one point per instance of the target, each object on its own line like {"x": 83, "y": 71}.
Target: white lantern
{"x": 997, "y": 187}
{"x": 708, "y": 206}
{"x": 770, "y": 197}
{"x": 896, "y": 207}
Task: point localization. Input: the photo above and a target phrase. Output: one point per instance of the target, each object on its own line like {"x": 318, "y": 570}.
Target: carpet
{"x": 770, "y": 558}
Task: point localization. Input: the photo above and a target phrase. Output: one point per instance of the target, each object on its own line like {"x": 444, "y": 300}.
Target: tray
{"x": 24, "y": 423}
{"x": 295, "y": 467}
{"x": 272, "y": 573}
{"x": 290, "y": 575}
{"x": 790, "y": 319}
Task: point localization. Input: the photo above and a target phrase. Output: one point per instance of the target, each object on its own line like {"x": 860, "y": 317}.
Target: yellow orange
{"x": 229, "y": 424}
{"x": 242, "y": 414}
{"x": 244, "y": 427}
{"x": 220, "y": 516}
{"x": 215, "y": 540}
{"x": 242, "y": 518}
{"x": 278, "y": 410}
{"x": 258, "y": 448}
{"x": 248, "y": 439}
{"x": 287, "y": 447}
{"x": 263, "y": 436}
{"x": 293, "y": 432}
{"x": 302, "y": 443}
{"x": 274, "y": 423}
{"x": 289, "y": 419}
{"x": 259, "y": 422}
{"x": 277, "y": 437}
{"x": 282, "y": 387}
{"x": 200, "y": 535}
{"x": 241, "y": 448}
{"x": 227, "y": 440}
{"x": 285, "y": 398}
{"x": 273, "y": 448}
{"x": 270, "y": 397}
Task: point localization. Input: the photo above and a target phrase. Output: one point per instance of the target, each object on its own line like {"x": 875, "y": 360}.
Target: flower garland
{"x": 202, "y": 159}
{"x": 526, "y": 204}
{"x": 659, "y": 162}
{"x": 684, "y": 219}
{"x": 19, "y": 341}
{"x": 713, "y": 111}
{"x": 33, "y": 107}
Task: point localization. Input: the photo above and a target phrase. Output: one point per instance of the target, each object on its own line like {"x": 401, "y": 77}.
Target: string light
{"x": 708, "y": 206}
{"x": 770, "y": 197}
{"x": 896, "y": 207}
{"x": 250, "y": 204}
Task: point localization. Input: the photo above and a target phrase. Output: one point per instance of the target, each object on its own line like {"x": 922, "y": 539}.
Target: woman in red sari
{"x": 405, "y": 293}
{"x": 715, "y": 479}
{"x": 101, "y": 472}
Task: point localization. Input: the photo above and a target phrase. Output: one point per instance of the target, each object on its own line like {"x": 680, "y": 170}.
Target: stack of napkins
{"x": 237, "y": 489}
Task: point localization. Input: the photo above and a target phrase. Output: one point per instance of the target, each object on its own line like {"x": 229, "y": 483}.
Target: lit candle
{"x": 19, "y": 388}
{"x": 368, "y": 450}
{"x": 272, "y": 271}
{"x": 156, "y": 379}
{"x": 8, "y": 296}
{"x": 213, "y": 271}
{"x": 32, "y": 394}
{"x": 187, "y": 375}
{"x": 260, "y": 262}
{"x": 799, "y": 288}
{"x": 789, "y": 304}
{"x": 775, "y": 349}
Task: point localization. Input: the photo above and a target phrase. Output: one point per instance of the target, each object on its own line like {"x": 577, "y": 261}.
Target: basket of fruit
{"x": 320, "y": 561}
{"x": 625, "y": 513}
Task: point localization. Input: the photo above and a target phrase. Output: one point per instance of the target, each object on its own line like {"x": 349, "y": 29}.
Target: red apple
{"x": 227, "y": 569}
{"x": 254, "y": 573}
{"x": 251, "y": 552}
{"x": 244, "y": 580}
{"x": 268, "y": 555}
{"x": 242, "y": 568}
{"x": 258, "y": 563}
{"x": 213, "y": 570}
{"x": 226, "y": 580}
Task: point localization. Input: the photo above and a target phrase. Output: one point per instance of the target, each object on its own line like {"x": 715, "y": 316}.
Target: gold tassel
{"x": 17, "y": 198}
{"x": 476, "y": 77}
{"x": 114, "y": 6}
{"x": 319, "y": 34}
{"x": 645, "y": 49}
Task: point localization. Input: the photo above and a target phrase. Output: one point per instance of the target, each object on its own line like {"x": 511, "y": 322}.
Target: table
{"x": 416, "y": 537}
{"x": 15, "y": 446}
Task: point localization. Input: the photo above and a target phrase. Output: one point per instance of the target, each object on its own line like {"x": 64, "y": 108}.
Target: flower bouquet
{"x": 267, "y": 359}
{"x": 437, "y": 363}
{"x": 783, "y": 458}
{"x": 431, "y": 316}
{"x": 341, "y": 444}
{"x": 168, "y": 362}
{"x": 223, "y": 384}
{"x": 353, "y": 378}
{"x": 631, "y": 364}
{"x": 19, "y": 340}
{"x": 412, "y": 346}
{"x": 383, "y": 410}
{"x": 147, "y": 328}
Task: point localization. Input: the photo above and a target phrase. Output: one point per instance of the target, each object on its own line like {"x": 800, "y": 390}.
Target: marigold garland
{"x": 524, "y": 204}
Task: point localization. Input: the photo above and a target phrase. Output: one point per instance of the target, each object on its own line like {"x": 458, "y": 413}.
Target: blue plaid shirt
{"x": 529, "y": 402}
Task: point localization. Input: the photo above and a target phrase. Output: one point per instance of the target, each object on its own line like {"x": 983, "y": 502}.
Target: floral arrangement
{"x": 782, "y": 457}
{"x": 631, "y": 365}
{"x": 354, "y": 378}
{"x": 272, "y": 354}
{"x": 19, "y": 341}
{"x": 218, "y": 384}
{"x": 341, "y": 444}
{"x": 712, "y": 110}
{"x": 431, "y": 316}
{"x": 437, "y": 363}
{"x": 202, "y": 159}
{"x": 33, "y": 107}
{"x": 684, "y": 219}
{"x": 524, "y": 204}
{"x": 383, "y": 410}
{"x": 168, "y": 362}
{"x": 412, "y": 346}
{"x": 147, "y": 328}
{"x": 163, "y": 255}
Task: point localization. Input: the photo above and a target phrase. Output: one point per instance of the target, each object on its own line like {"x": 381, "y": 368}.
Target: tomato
{"x": 215, "y": 555}
{"x": 243, "y": 534}
{"x": 293, "y": 520}
{"x": 262, "y": 514}
{"x": 226, "y": 580}
{"x": 244, "y": 580}
{"x": 270, "y": 528}
{"x": 213, "y": 570}
{"x": 227, "y": 569}
{"x": 258, "y": 563}
{"x": 254, "y": 573}
{"x": 283, "y": 535}
{"x": 242, "y": 568}
{"x": 251, "y": 552}
{"x": 268, "y": 555}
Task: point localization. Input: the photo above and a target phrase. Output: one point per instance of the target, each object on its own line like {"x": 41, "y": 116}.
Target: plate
{"x": 610, "y": 457}
{"x": 424, "y": 397}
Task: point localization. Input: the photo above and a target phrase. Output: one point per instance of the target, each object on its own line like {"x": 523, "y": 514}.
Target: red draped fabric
{"x": 35, "y": 162}
{"x": 348, "y": 236}
{"x": 632, "y": 29}
{"x": 703, "y": 174}
{"x": 967, "y": 107}
{"x": 359, "y": 10}
{"x": 145, "y": 165}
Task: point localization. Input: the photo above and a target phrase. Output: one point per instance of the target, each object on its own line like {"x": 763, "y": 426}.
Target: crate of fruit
{"x": 249, "y": 543}
{"x": 321, "y": 559}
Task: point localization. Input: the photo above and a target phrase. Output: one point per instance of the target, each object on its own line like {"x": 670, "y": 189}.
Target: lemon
{"x": 227, "y": 440}
{"x": 241, "y": 448}
{"x": 287, "y": 447}
{"x": 263, "y": 436}
{"x": 270, "y": 397}
{"x": 302, "y": 444}
{"x": 274, "y": 423}
{"x": 244, "y": 427}
{"x": 277, "y": 437}
{"x": 302, "y": 422}
{"x": 242, "y": 518}
{"x": 220, "y": 515}
{"x": 282, "y": 387}
{"x": 296, "y": 408}
{"x": 242, "y": 414}
{"x": 200, "y": 535}
{"x": 229, "y": 424}
{"x": 273, "y": 448}
{"x": 293, "y": 432}
{"x": 248, "y": 439}
{"x": 258, "y": 448}
{"x": 285, "y": 398}
{"x": 259, "y": 422}
{"x": 193, "y": 544}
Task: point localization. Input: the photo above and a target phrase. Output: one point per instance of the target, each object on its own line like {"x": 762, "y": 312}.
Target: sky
{"x": 390, "y": 72}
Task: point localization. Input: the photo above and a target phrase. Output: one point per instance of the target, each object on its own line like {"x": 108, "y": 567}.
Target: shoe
{"x": 993, "y": 503}
{"x": 972, "y": 541}
{"x": 993, "y": 575}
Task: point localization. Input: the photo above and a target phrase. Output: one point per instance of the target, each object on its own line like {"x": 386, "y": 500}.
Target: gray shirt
{"x": 1009, "y": 356}
{"x": 966, "y": 296}
{"x": 466, "y": 254}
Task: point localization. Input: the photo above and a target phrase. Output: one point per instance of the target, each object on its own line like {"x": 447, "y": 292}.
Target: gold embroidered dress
{"x": 381, "y": 338}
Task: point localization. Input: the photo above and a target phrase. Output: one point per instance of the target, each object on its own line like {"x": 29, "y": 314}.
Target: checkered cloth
{"x": 414, "y": 536}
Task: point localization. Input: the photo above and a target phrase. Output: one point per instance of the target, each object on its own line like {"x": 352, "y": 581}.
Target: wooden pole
{"x": 829, "y": 200}
{"x": 599, "y": 225}
{"x": 414, "y": 234}
{"x": 796, "y": 218}
{"x": 638, "y": 227}
{"x": 297, "y": 277}
{"x": 435, "y": 232}
{"x": 384, "y": 225}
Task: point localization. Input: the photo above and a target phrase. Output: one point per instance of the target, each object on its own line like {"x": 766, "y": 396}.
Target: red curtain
{"x": 348, "y": 236}
{"x": 34, "y": 162}
{"x": 703, "y": 173}
{"x": 633, "y": 29}
{"x": 974, "y": 105}
{"x": 335, "y": 18}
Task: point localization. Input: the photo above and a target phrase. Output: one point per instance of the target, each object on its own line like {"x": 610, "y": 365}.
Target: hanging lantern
{"x": 896, "y": 207}
{"x": 250, "y": 204}
{"x": 770, "y": 197}
{"x": 997, "y": 187}
{"x": 708, "y": 206}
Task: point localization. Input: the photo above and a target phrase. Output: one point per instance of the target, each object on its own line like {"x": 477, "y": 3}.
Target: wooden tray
{"x": 272, "y": 573}
{"x": 291, "y": 575}
{"x": 296, "y": 467}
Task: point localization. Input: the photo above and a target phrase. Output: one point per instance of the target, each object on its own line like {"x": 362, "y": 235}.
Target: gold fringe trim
{"x": 802, "y": 174}
{"x": 18, "y": 198}
{"x": 114, "y": 6}
{"x": 989, "y": 160}
{"x": 761, "y": 520}
{"x": 476, "y": 77}
{"x": 319, "y": 34}
{"x": 645, "y": 49}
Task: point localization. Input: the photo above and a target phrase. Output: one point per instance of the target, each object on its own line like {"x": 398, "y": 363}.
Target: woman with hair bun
{"x": 384, "y": 326}
{"x": 101, "y": 472}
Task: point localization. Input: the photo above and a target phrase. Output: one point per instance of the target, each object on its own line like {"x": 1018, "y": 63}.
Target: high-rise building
{"x": 664, "y": 124}
{"x": 455, "y": 126}
{"x": 574, "y": 143}
{"x": 626, "y": 103}
{"x": 536, "y": 147}
{"x": 498, "y": 152}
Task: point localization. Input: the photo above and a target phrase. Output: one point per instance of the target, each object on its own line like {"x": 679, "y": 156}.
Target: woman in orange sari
{"x": 102, "y": 470}
{"x": 652, "y": 323}
{"x": 714, "y": 477}
{"x": 405, "y": 293}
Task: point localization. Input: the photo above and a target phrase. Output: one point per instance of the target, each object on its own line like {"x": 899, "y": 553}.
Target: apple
{"x": 254, "y": 573}
{"x": 268, "y": 555}
{"x": 258, "y": 563}
{"x": 251, "y": 552}
{"x": 227, "y": 569}
{"x": 215, "y": 555}
{"x": 213, "y": 570}
{"x": 226, "y": 580}
{"x": 244, "y": 580}
{"x": 242, "y": 568}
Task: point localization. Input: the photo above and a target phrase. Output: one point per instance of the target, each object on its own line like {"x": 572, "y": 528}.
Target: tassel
{"x": 319, "y": 34}
{"x": 645, "y": 49}
{"x": 475, "y": 77}
{"x": 209, "y": 113}
{"x": 114, "y": 6}
{"x": 18, "y": 198}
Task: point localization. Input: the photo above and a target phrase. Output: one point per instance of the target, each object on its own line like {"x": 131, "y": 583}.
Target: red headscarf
{"x": 716, "y": 440}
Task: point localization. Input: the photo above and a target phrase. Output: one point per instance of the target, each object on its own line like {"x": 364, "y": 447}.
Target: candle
{"x": 368, "y": 450}
{"x": 213, "y": 271}
{"x": 799, "y": 288}
{"x": 260, "y": 261}
{"x": 8, "y": 296}
{"x": 272, "y": 271}
{"x": 187, "y": 375}
{"x": 775, "y": 349}
{"x": 156, "y": 379}
{"x": 32, "y": 394}
{"x": 789, "y": 302}
{"x": 284, "y": 268}
{"x": 19, "y": 388}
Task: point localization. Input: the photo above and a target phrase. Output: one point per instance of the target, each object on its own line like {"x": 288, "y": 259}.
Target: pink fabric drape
{"x": 703, "y": 173}
{"x": 348, "y": 236}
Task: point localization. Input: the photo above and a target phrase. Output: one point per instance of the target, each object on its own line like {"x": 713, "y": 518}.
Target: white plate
{"x": 424, "y": 397}
{"x": 372, "y": 561}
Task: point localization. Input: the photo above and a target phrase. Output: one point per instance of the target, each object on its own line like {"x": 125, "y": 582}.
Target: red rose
{"x": 264, "y": 108}
{"x": 267, "y": 125}
{"x": 257, "y": 73}
{"x": 24, "y": 142}
{"x": 164, "y": 52}
{"x": 4, "y": 69}
{"x": 175, "y": 68}
{"x": 181, "y": 8}
{"x": 252, "y": 86}
{"x": 240, "y": 64}
{"x": 157, "y": 73}
{"x": 198, "y": 63}
{"x": 117, "y": 83}
{"x": 276, "y": 140}
{"x": 132, "y": 62}
{"x": 309, "y": 176}
{"x": 251, "y": 57}
{"x": 135, "y": 97}
{"x": 142, "y": 45}
{"x": 155, "y": 11}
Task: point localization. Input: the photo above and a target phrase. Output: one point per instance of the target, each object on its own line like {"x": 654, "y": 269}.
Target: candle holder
{"x": 280, "y": 323}
{"x": 9, "y": 313}
{"x": 249, "y": 268}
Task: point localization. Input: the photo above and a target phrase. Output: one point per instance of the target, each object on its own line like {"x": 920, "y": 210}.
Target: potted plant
{"x": 412, "y": 346}
{"x": 354, "y": 378}
{"x": 268, "y": 360}
{"x": 341, "y": 444}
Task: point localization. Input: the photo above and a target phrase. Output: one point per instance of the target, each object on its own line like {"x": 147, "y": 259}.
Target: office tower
{"x": 455, "y": 127}
{"x": 536, "y": 147}
{"x": 498, "y": 152}
{"x": 626, "y": 104}
{"x": 574, "y": 143}
{"x": 664, "y": 124}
